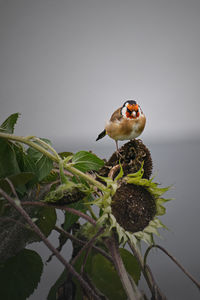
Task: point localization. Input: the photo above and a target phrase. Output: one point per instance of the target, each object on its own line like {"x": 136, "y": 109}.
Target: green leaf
{"x": 131, "y": 264}
{"x": 9, "y": 124}
{"x": 46, "y": 220}
{"x": 121, "y": 173}
{"x": 160, "y": 210}
{"x": 65, "y": 154}
{"x": 28, "y": 163}
{"x": 65, "y": 193}
{"x": 20, "y": 275}
{"x": 18, "y": 180}
{"x": 8, "y": 160}
{"x": 44, "y": 167}
{"x": 86, "y": 161}
{"x": 70, "y": 218}
{"x": 106, "y": 279}
{"x": 43, "y": 164}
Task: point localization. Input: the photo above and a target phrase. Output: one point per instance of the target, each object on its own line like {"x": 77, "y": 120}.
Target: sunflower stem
{"x": 53, "y": 156}
{"x": 129, "y": 286}
{"x": 155, "y": 290}
{"x": 174, "y": 260}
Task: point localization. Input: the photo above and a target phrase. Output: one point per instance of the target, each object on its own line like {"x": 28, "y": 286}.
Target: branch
{"x": 54, "y": 157}
{"x": 174, "y": 260}
{"x": 62, "y": 207}
{"x": 78, "y": 241}
{"x": 18, "y": 207}
{"x": 88, "y": 245}
{"x": 155, "y": 290}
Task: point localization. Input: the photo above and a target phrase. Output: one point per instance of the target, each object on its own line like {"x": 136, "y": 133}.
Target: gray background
{"x": 67, "y": 65}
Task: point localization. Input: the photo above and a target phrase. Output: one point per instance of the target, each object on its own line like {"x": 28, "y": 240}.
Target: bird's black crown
{"x": 133, "y": 102}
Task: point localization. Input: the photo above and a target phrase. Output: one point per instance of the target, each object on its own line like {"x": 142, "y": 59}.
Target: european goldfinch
{"x": 126, "y": 123}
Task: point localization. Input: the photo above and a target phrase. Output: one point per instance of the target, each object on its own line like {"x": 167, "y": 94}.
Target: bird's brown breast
{"x": 120, "y": 128}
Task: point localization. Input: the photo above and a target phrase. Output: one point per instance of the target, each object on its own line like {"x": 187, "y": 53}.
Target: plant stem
{"x": 131, "y": 291}
{"x": 54, "y": 157}
{"x": 91, "y": 212}
{"x": 78, "y": 241}
{"x": 174, "y": 260}
{"x": 48, "y": 244}
{"x": 87, "y": 245}
{"x": 87, "y": 177}
{"x": 28, "y": 142}
{"x": 62, "y": 207}
{"x": 155, "y": 290}
{"x": 47, "y": 146}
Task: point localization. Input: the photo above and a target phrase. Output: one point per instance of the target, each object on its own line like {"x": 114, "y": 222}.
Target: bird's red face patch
{"x": 132, "y": 111}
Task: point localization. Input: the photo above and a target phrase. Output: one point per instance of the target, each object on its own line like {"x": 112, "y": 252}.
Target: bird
{"x": 126, "y": 123}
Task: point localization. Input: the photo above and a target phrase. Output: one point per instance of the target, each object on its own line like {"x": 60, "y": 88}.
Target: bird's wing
{"x": 101, "y": 135}
{"x": 116, "y": 115}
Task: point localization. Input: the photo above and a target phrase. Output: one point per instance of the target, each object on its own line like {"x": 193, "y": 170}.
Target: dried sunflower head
{"x": 130, "y": 205}
{"x": 133, "y": 207}
{"x": 132, "y": 155}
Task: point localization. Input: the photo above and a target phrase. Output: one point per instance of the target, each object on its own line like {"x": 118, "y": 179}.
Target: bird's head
{"x": 130, "y": 109}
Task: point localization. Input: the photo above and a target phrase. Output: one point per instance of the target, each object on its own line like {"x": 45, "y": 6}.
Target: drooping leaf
{"x": 63, "y": 277}
{"x": 52, "y": 177}
{"x": 8, "y": 160}
{"x": 70, "y": 218}
{"x": 45, "y": 220}
{"x": 35, "y": 153}
{"x": 131, "y": 264}
{"x": 43, "y": 164}
{"x": 9, "y": 124}
{"x": 29, "y": 163}
{"x": 106, "y": 279}
{"x": 20, "y": 275}
{"x": 65, "y": 193}
{"x": 86, "y": 161}
{"x": 18, "y": 180}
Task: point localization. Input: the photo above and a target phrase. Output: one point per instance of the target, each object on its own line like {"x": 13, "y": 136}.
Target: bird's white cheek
{"x": 124, "y": 111}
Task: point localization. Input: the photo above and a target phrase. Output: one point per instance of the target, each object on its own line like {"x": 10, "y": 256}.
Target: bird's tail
{"x": 101, "y": 135}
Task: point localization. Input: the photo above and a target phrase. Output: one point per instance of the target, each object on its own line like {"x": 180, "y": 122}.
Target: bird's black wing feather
{"x": 101, "y": 135}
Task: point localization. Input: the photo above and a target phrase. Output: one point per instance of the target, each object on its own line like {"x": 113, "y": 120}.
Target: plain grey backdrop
{"x": 67, "y": 65}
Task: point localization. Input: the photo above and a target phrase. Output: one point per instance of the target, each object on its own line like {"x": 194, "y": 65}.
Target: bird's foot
{"x": 119, "y": 155}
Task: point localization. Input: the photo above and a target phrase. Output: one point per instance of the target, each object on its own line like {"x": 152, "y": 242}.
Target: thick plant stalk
{"x": 130, "y": 288}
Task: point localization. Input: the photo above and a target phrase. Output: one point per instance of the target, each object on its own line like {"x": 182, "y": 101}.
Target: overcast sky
{"x": 67, "y": 65}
